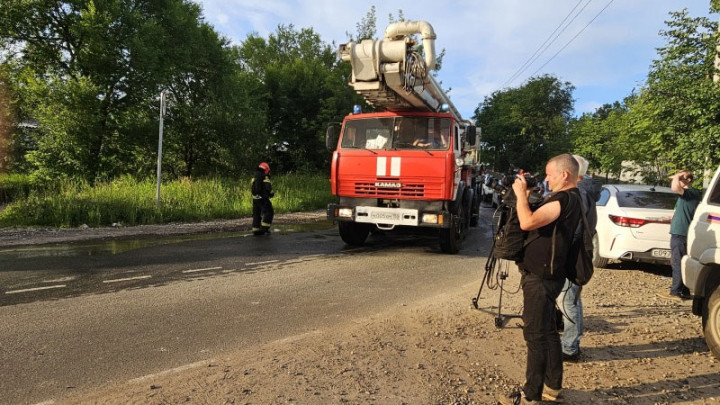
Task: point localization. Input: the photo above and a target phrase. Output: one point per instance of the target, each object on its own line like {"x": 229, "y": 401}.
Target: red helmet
{"x": 265, "y": 167}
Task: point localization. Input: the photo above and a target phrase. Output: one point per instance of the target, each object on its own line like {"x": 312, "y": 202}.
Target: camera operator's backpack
{"x": 579, "y": 268}
{"x": 510, "y": 239}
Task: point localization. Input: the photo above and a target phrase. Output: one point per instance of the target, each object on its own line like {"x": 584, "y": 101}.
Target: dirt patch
{"x": 638, "y": 349}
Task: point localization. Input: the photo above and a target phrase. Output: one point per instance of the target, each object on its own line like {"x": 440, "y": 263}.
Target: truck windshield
{"x": 397, "y": 133}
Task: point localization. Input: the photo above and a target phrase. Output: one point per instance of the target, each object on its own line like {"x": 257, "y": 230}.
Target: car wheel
{"x": 711, "y": 320}
{"x": 598, "y": 261}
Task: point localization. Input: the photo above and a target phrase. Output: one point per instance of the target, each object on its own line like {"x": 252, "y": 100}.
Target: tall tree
{"x": 602, "y": 137}
{"x": 305, "y": 86}
{"x": 89, "y": 73}
{"x": 523, "y": 127}
{"x": 675, "y": 117}
{"x": 366, "y": 27}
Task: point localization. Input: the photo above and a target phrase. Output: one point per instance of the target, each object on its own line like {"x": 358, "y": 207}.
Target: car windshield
{"x": 397, "y": 133}
{"x": 646, "y": 199}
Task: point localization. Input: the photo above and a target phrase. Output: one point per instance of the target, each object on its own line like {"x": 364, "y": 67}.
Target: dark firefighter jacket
{"x": 261, "y": 185}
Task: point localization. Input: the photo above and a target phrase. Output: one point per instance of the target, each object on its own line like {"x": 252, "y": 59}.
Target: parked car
{"x": 633, "y": 224}
{"x": 486, "y": 192}
{"x": 701, "y": 264}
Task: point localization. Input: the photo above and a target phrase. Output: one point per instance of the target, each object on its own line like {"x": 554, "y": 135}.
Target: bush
{"x": 14, "y": 187}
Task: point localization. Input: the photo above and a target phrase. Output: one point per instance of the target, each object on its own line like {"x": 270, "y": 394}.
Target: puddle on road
{"x": 117, "y": 246}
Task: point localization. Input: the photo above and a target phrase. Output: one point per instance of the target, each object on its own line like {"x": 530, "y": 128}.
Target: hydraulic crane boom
{"x": 392, "y": 75}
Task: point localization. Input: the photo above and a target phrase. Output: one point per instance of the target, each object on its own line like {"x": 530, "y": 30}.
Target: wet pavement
{"x": 61, "y": 270}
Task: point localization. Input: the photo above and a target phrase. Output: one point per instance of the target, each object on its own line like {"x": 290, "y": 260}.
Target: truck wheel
{"x": 711, "y": 322}
{"x": 475, "y": 209}
{"x": 598, "y": 261}
{"x": 353, "y": 233}
{"x": 451, "y": 238}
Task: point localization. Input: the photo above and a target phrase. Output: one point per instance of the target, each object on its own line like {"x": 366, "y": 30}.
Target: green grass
{"x": 14, "y": 187}
{"x": 131, "y": 202}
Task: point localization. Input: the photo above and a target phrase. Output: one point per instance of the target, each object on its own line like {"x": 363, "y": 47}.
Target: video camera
{"x": 503, "y": 186}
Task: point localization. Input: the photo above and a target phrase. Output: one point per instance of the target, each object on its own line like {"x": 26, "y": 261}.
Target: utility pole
{"x": 160, "y": 141}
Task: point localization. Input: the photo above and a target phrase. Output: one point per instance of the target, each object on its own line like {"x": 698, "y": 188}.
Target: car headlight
{"x": 345, "y": 212}
{"x": 430, "y": 218}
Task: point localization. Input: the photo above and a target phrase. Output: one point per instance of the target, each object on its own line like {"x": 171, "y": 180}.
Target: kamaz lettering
{"x": 387, "y": 184}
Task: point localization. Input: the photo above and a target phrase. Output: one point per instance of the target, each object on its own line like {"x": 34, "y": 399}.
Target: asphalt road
{"x": 75, "y": 317}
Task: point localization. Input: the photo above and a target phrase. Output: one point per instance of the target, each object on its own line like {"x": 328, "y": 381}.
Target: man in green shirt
{"x": 684, "y": 211}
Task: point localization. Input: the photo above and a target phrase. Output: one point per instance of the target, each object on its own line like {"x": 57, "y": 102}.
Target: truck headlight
{"x": 345, "y": 212}
{"x": 430, "y": 218}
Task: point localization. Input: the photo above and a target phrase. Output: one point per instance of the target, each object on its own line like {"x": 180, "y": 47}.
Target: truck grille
{"x": 407, "y": 190}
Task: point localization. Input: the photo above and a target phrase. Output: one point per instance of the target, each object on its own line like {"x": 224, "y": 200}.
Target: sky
{"x": 602, "y": 47}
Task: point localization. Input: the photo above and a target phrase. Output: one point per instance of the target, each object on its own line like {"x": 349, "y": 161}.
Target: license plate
{"x": 664, "y": 253}
{"x": 387, "y": 216}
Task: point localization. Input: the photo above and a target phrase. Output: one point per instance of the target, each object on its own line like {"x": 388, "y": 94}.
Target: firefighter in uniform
{"x": 262, "y": 206}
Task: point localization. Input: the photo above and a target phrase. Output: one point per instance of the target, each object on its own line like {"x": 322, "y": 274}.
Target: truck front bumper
{"x": 388, "y": 217}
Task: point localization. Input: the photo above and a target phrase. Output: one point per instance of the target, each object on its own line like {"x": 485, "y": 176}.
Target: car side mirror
{"x": 471, "y": 134}
{"x": 332, "y": 134}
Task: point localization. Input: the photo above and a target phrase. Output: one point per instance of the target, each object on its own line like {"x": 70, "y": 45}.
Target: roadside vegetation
{"x": 126, "y": 201}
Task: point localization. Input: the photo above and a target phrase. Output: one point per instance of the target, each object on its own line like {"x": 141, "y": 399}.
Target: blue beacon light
{"x": 357, "y": 109}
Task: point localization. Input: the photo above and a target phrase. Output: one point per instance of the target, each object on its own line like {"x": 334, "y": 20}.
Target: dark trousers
{"x": 544, "y": 352}
{"x": 678, "y": 249}
{"x": 263, "y": 213}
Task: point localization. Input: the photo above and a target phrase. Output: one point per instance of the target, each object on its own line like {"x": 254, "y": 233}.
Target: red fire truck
{"x": 413, "y": 163}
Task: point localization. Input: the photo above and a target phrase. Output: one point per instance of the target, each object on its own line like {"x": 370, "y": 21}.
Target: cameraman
{"x": 550, "y": 231}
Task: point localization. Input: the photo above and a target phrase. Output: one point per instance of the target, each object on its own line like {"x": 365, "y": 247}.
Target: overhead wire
{"x": 573, "y": 38}
{"x": 541, "y": 49}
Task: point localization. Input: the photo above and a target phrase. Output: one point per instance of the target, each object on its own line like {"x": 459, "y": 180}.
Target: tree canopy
{"x": 672, "y": 122}
{"x": 523, "y": 127}
{"x": 87, "y": 77}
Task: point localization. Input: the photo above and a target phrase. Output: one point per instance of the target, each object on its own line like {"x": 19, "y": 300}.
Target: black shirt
{"x": 540, "y": 256}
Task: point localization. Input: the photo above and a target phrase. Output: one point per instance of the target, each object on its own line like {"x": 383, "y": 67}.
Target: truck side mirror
{"x": 331, "y": 137}
{"x": 471, "y": 134}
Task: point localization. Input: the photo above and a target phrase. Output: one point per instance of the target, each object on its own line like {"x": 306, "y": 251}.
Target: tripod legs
{"x": 500, "y": 320}
{"x": 488, "y": 269}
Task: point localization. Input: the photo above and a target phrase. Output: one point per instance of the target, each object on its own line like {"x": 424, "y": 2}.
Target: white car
{"x": 486, "y": 193}
{"x": 633, "y": 224}
{"x": 701, "y": 265}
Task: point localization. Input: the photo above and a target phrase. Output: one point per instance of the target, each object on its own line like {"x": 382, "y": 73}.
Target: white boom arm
{"x": 390, "y": 75}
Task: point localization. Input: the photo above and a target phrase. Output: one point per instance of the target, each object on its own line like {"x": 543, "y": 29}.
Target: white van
{"x": 701, "y": 265}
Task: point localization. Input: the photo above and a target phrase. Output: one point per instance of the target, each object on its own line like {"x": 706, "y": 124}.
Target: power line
{"x": 539, "y": 51}
{"x": 530, "y": 60}
{"x": 573, "y": 38}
